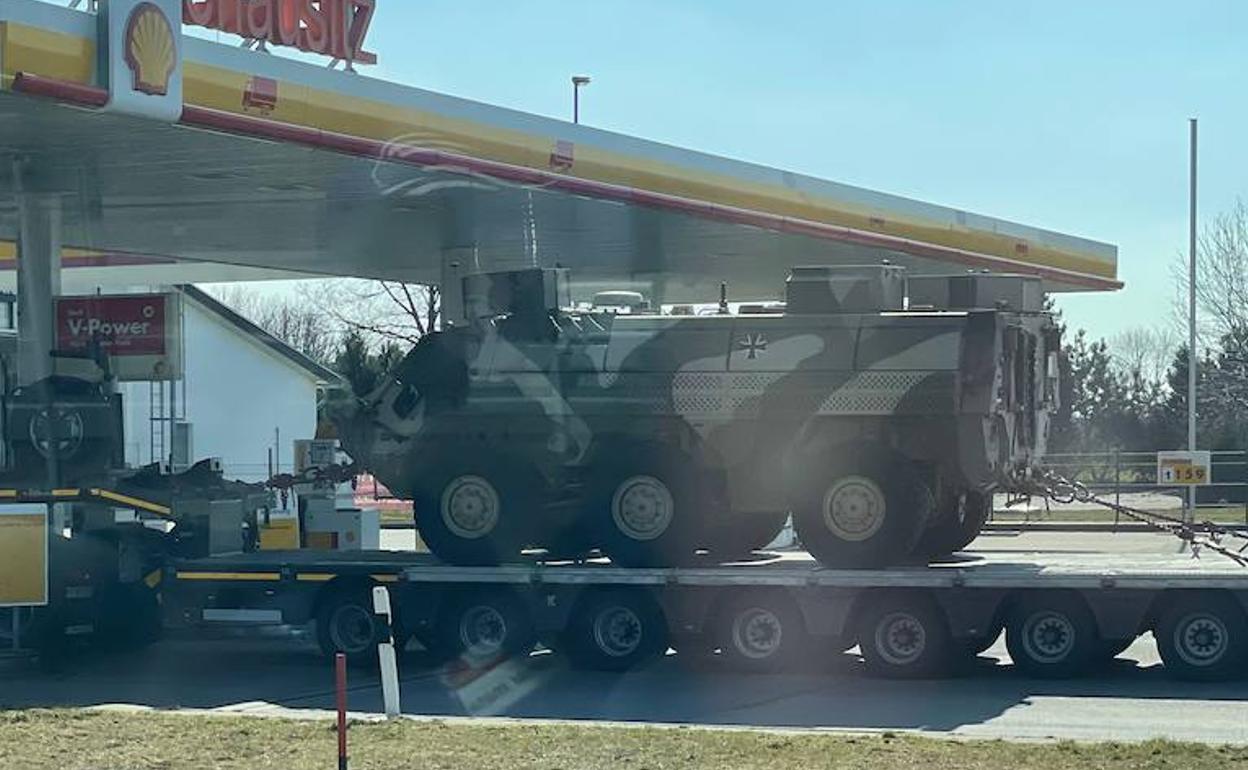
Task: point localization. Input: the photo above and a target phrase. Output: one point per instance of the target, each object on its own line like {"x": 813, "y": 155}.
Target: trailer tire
{"x": 472, "y": 511}
{"x": 646, "y": 501}
{"x": 868, "y": 509}
{"x": 615, "y": 630}
{"x": 129, "y": 617}
{"x": 345, "y": 623}
{"x": 484, "y": 625}
{"x": 904, "y": 636}
{"x": 762, "y": 631}
{"x": 1203, "y": 637}
{"x": 1052, "y": 635}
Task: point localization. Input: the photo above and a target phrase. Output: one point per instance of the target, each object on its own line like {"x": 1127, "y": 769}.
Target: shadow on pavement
{"x": 242, "y": 674}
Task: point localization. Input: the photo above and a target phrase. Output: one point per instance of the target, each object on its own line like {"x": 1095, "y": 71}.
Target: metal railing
{"x": 1113, "y": 474}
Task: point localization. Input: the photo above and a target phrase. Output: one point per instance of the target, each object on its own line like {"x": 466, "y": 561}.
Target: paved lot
{"x": 1132, "y": 700}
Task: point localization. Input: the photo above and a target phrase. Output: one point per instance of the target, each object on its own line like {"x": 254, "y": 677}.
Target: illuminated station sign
{"x": 335, "y": 28}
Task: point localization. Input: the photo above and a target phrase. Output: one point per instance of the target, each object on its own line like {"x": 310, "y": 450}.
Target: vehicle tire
{"x": 475, "y": 512}
{"x": 959, "y": 521}
{"x": 1203, "y": 637}
{"x": 866, "y": 511}
{"x": 615, "y": 631}
{"x": 485, "y": 625}
{"x": 129, "y": 617}
{"x": 647, "y": 506}
{"x": 762, "y": 631}
{"x": 1052, "y": 635}
{"x": 345, "y": 623}
{"x": 904, "y": 636}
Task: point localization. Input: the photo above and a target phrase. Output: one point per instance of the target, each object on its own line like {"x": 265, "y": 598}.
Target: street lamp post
{"x": 577, "y": 82}
{"x": 1191, "y": 319}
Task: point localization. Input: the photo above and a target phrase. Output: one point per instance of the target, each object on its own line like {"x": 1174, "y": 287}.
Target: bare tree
{"x": 1145, "y": 352}
{"x": 1221, "y": 276}
{"x": 305, "y": 327}
{"x": 381, "y": 311}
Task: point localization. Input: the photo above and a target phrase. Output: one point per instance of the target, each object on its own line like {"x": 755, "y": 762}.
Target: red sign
{"x": 123, "y": 326}
{"x": 336, "y": 28}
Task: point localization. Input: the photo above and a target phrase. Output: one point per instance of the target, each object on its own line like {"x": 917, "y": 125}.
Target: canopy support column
{"x": 456, "y": 263}
{"x": 38, "y": 280}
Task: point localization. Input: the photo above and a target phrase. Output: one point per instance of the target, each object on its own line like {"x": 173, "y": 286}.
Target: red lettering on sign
{"x": 337, "y": 28}
{"x": 361, "y": 21}
{"x": 258, "y": 20}
{"x": 121, "y": 326}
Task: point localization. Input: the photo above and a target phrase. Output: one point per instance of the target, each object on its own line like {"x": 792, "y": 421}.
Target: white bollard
{"x": 386, "y": 655}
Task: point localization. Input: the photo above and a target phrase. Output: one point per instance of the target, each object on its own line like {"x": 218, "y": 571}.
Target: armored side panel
{"x": 850, "y": 289}
{"x": 522, "y": 293}
{"x": 1017, "y": 293}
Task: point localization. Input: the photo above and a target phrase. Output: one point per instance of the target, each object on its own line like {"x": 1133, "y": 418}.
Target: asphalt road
{"x": 1132, "y": 700}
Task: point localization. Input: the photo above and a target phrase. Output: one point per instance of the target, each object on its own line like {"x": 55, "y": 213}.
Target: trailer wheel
{"x": 345, "y": 623}
{"x": 129, "y": 617}
{"x": 484, "y": 625}
{"x": 473, "y": 512}
{"x": 865, "y": 511}
{"x": 615, "y": 631}
{"x": 1203, "y": 637}
{"x": 647, "y": 506}
{"x": 904, "y": 636}
{"x": 762, "y": 631}
{"x": 959, "y": 520}
{"x": 1052, "y": 636}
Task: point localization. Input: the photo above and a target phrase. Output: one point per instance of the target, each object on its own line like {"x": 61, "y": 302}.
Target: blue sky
{"x": 1061, "y": 114}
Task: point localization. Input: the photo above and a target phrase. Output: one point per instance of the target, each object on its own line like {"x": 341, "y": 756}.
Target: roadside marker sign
{"x": 1184, "y": 468}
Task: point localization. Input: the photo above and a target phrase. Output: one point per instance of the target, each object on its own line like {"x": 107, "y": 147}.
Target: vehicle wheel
{"x": 345, "y": 623}
{"x": 129, "y": 617}
{"x": 762, "y": 631}
{"x": 647, "y": 504}
{"x": 615, "y": 631}
{"x": 1203, "y": 637}
{"x": 904, "y": 636}
{"x": 475, "y": 513}
{"x": 960, "y": 520}
{"x": 485, "y": 625}
{"x": 1052, "y": 636}
{"x": 870, "y": 512}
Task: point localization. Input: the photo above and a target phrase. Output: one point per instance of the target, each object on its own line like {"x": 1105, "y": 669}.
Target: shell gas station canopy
{"x": 174, "y": 158}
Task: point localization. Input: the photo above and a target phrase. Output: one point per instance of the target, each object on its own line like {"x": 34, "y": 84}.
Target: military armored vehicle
{"x": 880, "y": 412}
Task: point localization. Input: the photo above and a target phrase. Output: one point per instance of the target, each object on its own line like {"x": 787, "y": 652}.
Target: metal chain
{"x": 1203, "y": 536}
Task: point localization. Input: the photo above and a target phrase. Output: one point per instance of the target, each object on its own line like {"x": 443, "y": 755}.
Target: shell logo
{"x": 151, "y": 51}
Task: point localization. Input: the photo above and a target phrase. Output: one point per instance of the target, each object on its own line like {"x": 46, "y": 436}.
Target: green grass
{"x": 78, "y": 740}
{"x": 1218, "y": 515}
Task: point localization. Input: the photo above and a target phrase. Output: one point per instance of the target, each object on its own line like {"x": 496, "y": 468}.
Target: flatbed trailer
{"x": 1063, "y": 614}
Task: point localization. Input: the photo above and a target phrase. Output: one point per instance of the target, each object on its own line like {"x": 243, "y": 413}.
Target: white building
{"x": 245, "y": 396}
